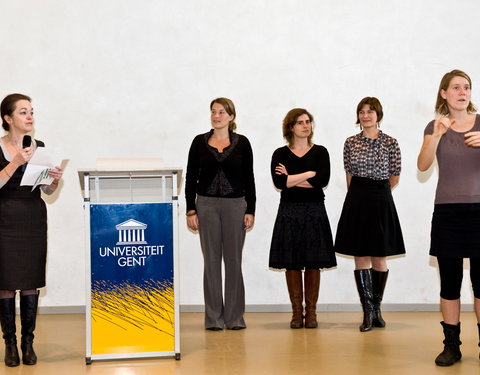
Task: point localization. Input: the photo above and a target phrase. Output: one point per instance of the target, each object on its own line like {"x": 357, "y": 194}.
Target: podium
{"x": 132, "y": 283}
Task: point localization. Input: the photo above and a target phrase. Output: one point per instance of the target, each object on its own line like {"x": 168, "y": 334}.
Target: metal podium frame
{"x": 121, "y": 185}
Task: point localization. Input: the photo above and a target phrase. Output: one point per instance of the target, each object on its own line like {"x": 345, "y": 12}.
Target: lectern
{"x": 132, "y": 280}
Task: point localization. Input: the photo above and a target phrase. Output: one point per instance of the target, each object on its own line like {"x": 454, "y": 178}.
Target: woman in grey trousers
{"x": 220, "y": 195}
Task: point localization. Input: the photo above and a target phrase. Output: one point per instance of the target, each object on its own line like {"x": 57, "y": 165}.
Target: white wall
{"x": 135, "y": 78}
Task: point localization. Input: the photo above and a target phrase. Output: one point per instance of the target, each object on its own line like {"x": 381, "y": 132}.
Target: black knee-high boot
{"x": 363, "y": 278}
{"x": 451, "y": 352}
{"x": 28, "y": 316}
{"x": 7, "y": 318}
{"x": 379, "y": 280}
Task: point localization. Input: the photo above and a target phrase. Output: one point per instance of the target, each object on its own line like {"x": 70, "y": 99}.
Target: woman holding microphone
{"x": 23, "y": 228}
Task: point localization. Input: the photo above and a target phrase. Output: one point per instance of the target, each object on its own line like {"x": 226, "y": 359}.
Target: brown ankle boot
{"x": 295, "y": 290}
{"x": 312, "y": 285}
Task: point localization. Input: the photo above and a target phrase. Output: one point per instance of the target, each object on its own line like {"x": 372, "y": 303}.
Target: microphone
{"x": 26, "y": 142}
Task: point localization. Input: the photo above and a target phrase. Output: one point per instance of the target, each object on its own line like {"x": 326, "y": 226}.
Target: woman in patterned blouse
{"x": 369, "y": 228}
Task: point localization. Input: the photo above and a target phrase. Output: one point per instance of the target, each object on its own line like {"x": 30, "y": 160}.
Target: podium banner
{"x": 132, "y": 295}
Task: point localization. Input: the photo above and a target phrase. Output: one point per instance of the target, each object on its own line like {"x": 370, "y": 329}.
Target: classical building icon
{"x": 131, "y": 232}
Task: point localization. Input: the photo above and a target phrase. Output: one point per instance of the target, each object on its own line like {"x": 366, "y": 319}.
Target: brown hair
{"x": 229, "y": 108}
{"x": 289, "y": 122}
{"x": 374, "y": 104}
{"x": 8, "y": 107}
{"x": 441, "y": 106}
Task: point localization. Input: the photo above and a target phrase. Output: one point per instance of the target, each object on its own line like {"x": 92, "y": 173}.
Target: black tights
{"x": 11, "y": 293}
{"x": 451, "y": 275}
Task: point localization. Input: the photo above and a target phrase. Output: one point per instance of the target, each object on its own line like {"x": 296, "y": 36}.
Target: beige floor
{"x": 407, "y": 346}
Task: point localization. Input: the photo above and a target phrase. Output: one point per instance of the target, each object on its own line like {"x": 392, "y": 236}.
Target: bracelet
{"x": 191, "y": 213}
{"x": 6, "y": 172}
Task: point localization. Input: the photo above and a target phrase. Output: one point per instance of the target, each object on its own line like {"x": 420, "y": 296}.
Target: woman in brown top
{"x": 454, "y": 139}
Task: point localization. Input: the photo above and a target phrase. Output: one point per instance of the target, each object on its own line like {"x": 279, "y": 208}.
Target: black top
{"x": 12, "y": 188}
{"x": 316, "y": 159}
{"x": 227, "y": 174}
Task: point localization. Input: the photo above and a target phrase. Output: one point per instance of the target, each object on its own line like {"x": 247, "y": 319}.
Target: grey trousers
{"x": 222, "y": 235}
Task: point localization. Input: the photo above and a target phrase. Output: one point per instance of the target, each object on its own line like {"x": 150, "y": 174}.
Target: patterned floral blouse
{"x": 377, "y": 159}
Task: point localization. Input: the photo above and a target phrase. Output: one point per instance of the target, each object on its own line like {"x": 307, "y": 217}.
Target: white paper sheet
{"x": 36, "y": 172}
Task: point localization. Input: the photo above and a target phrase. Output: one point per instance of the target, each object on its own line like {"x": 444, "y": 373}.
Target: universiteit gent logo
{"x": 131, "y": 232}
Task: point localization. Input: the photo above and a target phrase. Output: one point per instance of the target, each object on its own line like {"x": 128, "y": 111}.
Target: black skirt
{"x": 369, "y": 224}
{"x": 302, "y": 238}
{"x": 23, "y": 241}
{"x": 456, "y": 230}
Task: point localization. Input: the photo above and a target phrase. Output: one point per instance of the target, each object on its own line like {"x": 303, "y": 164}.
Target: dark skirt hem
{"x": 356, "y": 253}
{"x": 21, "y": 287}
{"x": 278, "y": 268}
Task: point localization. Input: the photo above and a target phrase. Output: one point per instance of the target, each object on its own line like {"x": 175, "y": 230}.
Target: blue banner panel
{"x": 132, "y": 278}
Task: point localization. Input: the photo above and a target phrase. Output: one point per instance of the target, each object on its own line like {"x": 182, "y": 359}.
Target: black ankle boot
{"x": 363, "y": 279}
{"x": 478, "y": 325}
{"x": 7, "y": 318}
{"x": 451, "y": 352}
{"x": 379, "y": 280}
{"x": 28, "y": 316}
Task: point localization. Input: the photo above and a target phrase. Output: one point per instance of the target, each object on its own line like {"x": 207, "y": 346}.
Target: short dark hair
{"x": 289, "y": 122}
{"x": 374, "y": 104}
{"x": 8, "y": 107}
{"x": 441, "y": 106}
{"x": 229, "y": 108}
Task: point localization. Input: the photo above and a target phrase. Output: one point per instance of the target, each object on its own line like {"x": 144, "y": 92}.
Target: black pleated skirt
{"x": 456, "y": 230}
{"x": 369, "y": 224}
{"x": 23, "y": 243}
{"x": 302, "y": 237}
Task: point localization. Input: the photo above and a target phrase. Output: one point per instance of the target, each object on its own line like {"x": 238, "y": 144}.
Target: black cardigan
{"x": 203, "y": 166}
